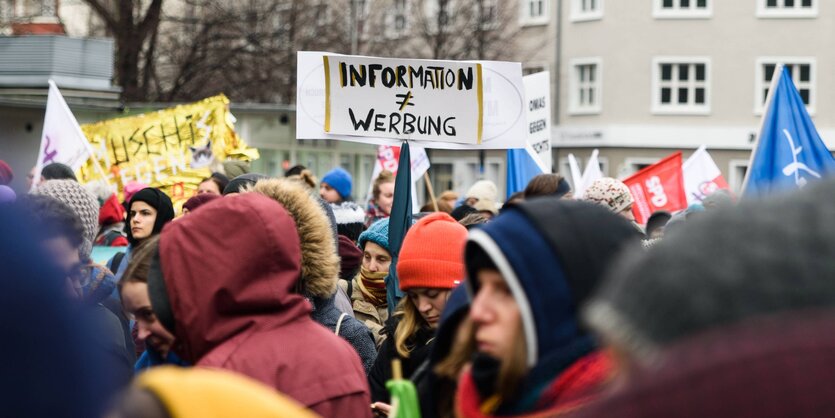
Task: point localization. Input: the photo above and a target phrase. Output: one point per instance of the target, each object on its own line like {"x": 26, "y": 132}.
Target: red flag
{"x": 658, "y": 187}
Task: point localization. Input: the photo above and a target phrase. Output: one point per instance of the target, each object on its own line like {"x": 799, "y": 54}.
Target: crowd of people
{"x": 272, "y": 297}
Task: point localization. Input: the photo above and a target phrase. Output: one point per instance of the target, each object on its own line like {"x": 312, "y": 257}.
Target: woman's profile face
{"x": 495, "y": 315}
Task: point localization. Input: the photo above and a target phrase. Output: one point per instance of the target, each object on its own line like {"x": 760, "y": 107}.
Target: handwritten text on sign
{"x": 403, "y": 99}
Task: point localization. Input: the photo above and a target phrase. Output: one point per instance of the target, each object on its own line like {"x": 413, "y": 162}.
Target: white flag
{"x": 61, "y": 140}
{"x": 701, "y": 176}
{"x": 590, "y": 174}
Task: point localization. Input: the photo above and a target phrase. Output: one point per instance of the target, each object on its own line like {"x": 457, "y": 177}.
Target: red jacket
{"x": 230, "y": 270}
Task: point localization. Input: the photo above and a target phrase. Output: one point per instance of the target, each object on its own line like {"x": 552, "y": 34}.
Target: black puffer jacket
{"x": 381, "y": 372}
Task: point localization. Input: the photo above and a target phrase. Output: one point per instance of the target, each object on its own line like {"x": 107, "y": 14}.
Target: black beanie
{"x": 239, "y": 183}
{"x": 157, "y": 200}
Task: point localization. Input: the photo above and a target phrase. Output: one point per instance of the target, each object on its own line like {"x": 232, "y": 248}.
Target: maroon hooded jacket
{"x": 230, "y": 270}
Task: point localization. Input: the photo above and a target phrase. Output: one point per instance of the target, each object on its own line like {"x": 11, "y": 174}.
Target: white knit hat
{"x": 610, "y": 193}
{"x": 81, "y": 201}
{"x": 483, "y": 189}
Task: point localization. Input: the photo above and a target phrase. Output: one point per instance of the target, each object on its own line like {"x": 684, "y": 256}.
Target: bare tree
{"x": 134, "y": 28}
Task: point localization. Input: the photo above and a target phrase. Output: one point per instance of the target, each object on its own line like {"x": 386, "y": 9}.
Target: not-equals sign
{"x": 406, "y": 97}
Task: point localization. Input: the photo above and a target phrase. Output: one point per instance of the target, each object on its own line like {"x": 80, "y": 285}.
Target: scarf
{"x": 373, "y": 286}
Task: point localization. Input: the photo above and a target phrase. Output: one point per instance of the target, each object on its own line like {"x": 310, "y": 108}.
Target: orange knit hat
{"x": 432, "y": 254}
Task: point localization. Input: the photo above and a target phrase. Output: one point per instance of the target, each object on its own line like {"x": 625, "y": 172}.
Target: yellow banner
{"x": 173, "y": 149}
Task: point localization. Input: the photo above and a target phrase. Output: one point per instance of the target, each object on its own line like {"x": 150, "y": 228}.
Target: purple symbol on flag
{"x": 48, "y": 156}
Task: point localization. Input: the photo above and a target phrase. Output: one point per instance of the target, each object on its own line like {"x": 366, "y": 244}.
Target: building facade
{"x": 642, "y": 79}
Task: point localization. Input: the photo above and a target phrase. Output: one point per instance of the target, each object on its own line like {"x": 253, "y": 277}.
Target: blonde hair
{"x": 384, "y": 177}
{"x": 511, "y": 371}
{"x": 410, "y": 322}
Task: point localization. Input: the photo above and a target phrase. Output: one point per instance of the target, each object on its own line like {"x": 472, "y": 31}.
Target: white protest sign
{"x": 394, "y": 98}
{"x": 538, "y": 110}
{"x": 503, "y": 104}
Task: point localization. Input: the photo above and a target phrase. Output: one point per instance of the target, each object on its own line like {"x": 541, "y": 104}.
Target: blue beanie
{"x": 377, "y": 233}
{"x": 340, "y": 180}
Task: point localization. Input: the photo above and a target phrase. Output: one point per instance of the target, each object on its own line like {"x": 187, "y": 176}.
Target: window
{"x": 534, "y": 12}
{"x": 802, "y": 71}
{"x": 489, "y": 13}
{"x": 586, "y": 86}
{"x": 397, "y": 19}
{"x": 738, "y": 169}
{"x": 787, "y": 8}
{"x": 681, "y": 9}
{"x": 586, "y": 10}
{"x": 437, "y": 13}
{"x": 681, "y": 85}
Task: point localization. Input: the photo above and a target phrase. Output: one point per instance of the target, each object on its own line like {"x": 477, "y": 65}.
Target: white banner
{"x": 502, "y": 104}
{"x": 538, "y": 110}
{"x": 702, "y": 176}
{"x": 61, "y": 140}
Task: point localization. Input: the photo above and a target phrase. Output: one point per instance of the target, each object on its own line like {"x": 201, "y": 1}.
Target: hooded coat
{"x": 319, "y": 263}
{"x": 552, "y": 254}
{"x": 241, "y": 310}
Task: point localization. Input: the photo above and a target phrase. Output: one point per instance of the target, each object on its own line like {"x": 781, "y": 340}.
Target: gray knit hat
{"x": 81, "y": 201}
{"x": 759, "y": 258}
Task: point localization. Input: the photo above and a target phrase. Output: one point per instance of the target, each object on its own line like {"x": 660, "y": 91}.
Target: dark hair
{"x": 54, "y": 218}
{"x": 295, "y": 170}
{"x": 57, "y": 171}
{"x": 219, "y": 179}
{"x": 462, "y": 211}
{"x": 547, "y": 185}
{"x": 140, "y": 262}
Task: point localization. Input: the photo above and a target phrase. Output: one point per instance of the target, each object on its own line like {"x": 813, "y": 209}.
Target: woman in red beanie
{"x": 431, "y": 264}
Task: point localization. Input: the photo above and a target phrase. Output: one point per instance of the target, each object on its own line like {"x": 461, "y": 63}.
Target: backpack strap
{"x": 339, "y": 323}
{"x": 117, "y": 261}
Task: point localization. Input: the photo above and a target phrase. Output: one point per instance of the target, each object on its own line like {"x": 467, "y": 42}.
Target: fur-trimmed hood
{"x": 320, "y": 262}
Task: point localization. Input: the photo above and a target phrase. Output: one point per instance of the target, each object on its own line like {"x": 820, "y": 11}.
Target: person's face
{"x": 657, "y": 232}
{"x": 142, "y": 220}
{"x": 66, "y": 257}
{"x": 471, "y": 201}
{"x": 627, "y": 213}
{"x": 208, "y": 186}
{"x": 496, "y": 316}
{"x": 450, "y": 201}
{"x": 375, "y": 258}
{"x": 386, "y": 198}
{"x": 329, "y": 194}
{"x": 429, "y": 302}
{"x": 137, "y": 305}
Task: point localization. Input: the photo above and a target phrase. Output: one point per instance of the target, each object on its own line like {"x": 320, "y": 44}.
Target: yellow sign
{"x": 172, "y": 149}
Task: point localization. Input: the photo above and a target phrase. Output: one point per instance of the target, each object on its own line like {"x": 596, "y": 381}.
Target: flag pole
{"x": 430, "y": 189}
{"x": 775, "y": 78}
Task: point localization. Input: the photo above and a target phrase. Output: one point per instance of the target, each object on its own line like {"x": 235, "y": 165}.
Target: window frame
{"x": 659, "y": 12}
{"x": 796, "y": 12}
{"x": 391, "y": 30}
{"x": 657, "y": 108}
{"x": 578, "y": 15}
{"x": 760, "y": 84}
{"x": 574, "y": 106}
{"x": 525, "y": 18}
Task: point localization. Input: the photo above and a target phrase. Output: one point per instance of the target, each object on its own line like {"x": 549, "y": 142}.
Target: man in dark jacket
{"x": 229, "y": 295}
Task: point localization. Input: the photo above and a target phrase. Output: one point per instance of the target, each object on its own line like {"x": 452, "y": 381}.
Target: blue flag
{"x": 789, "y": 152}
{"x": 399, "y": 223}
{"x": 521, "y": 168}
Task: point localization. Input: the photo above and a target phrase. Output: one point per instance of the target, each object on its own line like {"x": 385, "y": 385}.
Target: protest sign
{"x": 173, "y": 149}
{"x": 404, "y": 99}
{"x": 538, "y": 110}
{"x": 658, "y": 187}
{"x": 503, "y": 123}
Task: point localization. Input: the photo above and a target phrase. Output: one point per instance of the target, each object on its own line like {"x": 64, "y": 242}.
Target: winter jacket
{"x": 353, "y": 331}
{"x": 152, "y": 358}
{"x": 555, "y": 252}
{"x": 101, "y": 290}
{"x": 374, "y": 317}
{"x": 381, "y": 372}
{"x": 240, "y": 311}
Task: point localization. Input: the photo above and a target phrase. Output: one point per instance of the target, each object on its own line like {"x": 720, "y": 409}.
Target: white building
{"x": 641, "y": 79}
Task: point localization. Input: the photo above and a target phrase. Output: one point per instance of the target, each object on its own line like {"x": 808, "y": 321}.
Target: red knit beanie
{"x": 432, "y": 254}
